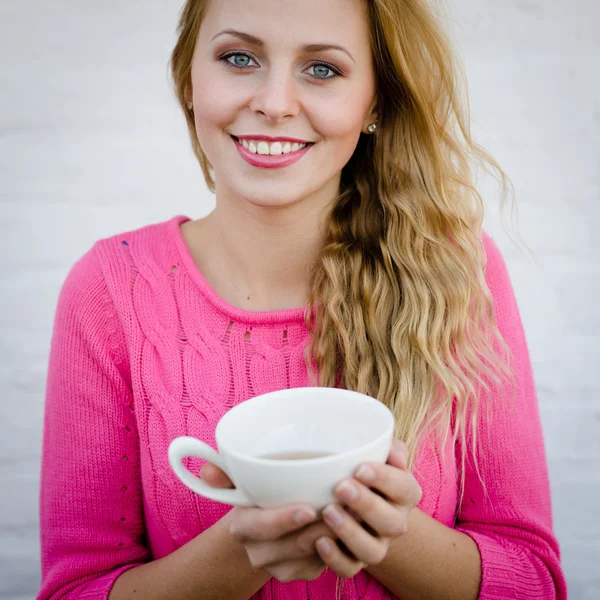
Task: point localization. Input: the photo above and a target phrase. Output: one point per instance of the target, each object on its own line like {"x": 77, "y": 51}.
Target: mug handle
{"x": 185, "y": 446}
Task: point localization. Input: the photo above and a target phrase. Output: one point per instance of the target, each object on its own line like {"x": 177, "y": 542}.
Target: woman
{"x": 345, "y": 249}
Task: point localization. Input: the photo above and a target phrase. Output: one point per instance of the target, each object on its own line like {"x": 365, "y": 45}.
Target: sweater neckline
{"x": 275, "y": 317}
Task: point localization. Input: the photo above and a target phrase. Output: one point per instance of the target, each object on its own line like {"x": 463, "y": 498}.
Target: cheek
{"x": 341, "y": 132}
{"x": 215, "y": 110}
{"x": 340, "y": 122}
{"x": 216, "y": 101}
{"x": 210, "y": 115}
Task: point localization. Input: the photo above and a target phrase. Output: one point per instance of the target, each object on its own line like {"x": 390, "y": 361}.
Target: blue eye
{"x": 239, "y": 60}
{"x": 323, "y": 71}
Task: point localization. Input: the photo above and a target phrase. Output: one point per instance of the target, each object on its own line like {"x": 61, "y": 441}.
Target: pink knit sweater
{"x": 143, "y": 351}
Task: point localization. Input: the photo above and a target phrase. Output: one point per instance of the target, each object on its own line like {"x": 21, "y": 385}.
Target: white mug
{"x": 290, "y": 446}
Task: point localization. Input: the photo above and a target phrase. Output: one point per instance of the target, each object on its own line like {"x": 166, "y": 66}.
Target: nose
{"x": 276, "y": 96}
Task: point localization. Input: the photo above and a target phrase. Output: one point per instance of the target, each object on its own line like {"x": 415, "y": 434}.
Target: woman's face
{"x": 269, "y": 75}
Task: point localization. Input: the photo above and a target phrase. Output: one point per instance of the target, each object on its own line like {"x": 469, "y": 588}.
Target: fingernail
{"x": 366, "y": 473}
{"x": 303, "y": 516}
{"x": 324, "y": 546}
{"x": 347, "y": 491}
{"x": 333, "y": 515}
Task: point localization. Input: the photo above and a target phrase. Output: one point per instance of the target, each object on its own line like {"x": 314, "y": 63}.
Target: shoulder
{"x": 119, "y": 258}
{"x": 102, "y": 277}
{"x": 145, "y": 243}
{"x": 497, "y": 277}
{"x": 496, "y": 272}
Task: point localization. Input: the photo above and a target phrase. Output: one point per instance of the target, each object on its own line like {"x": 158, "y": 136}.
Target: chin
{"x": 271, "y": 200}
{"x": 273, "y": 194}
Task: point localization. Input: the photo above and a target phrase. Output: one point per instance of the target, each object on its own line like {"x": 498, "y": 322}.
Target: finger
{"x": 362, "y": 545}
{"x": 307, "y": 569}
{"x": 336, "y": 560}
{"x": 265, "y": 524}
{"x": 307, "y": 539}
{"x": 214, "y": 476}
{"x": 398, "y": 456}
{"x": 381, "y": 517}
{"x": 292, "y": 547}
{"x": 399, "y": 486}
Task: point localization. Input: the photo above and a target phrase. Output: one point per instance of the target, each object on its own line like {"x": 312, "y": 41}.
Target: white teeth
{"x": 276, "y": 149}
{"x": 273, "y": 149}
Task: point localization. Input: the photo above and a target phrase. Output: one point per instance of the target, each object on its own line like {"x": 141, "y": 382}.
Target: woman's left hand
{"x": 379, "y": 498}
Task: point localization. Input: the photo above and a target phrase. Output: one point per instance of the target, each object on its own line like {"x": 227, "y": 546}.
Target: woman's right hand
{"x": 279, "y": 540}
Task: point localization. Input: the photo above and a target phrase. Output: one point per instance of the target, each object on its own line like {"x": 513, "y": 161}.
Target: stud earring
{"x": 190, "y": 105}
{"x": 372, "y": 128}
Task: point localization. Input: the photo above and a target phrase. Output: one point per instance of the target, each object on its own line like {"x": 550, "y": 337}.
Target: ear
{"x": 371, "y": 117}
{"x": 189, "y": 93}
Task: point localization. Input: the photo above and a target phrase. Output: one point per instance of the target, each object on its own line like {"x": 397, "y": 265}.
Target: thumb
{"x": 214, "y": 476}
{"x": 399, "y": 455}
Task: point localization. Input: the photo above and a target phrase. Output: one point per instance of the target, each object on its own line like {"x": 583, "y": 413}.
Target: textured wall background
{"x": 91, "y": 143}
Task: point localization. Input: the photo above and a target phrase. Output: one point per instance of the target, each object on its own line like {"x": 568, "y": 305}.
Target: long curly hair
{"x": 399, "y": 308}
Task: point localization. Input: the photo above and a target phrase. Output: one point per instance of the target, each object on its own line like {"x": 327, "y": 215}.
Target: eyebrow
{"x": 250, "y": 39}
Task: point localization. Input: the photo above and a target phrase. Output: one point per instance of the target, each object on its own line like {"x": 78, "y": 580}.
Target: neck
{"x": 260, "y": 258}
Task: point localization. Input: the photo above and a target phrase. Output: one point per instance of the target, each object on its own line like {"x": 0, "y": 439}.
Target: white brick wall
{"x": 91, "y": 144}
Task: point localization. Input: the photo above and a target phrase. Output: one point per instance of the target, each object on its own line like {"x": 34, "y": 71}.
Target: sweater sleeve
{"x": 91, "y": 514}
{"x": 506, "y": 507}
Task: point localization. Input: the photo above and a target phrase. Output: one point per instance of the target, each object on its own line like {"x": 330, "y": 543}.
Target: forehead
{"x": 288, "y": 22}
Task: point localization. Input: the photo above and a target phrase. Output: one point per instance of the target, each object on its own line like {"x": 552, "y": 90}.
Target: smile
{"x": 271, "y": 154}
{"x": 272, "y": 149}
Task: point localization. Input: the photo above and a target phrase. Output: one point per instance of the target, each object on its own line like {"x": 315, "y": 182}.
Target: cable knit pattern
{"x": 143, "y": 351}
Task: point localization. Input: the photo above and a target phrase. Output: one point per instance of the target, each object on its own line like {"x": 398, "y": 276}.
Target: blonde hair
{"x": 399, "y": 307}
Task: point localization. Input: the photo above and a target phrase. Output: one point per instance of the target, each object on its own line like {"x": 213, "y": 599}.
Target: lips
{"x": 272, "y": 153}
{"x": 260, "y": 144}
